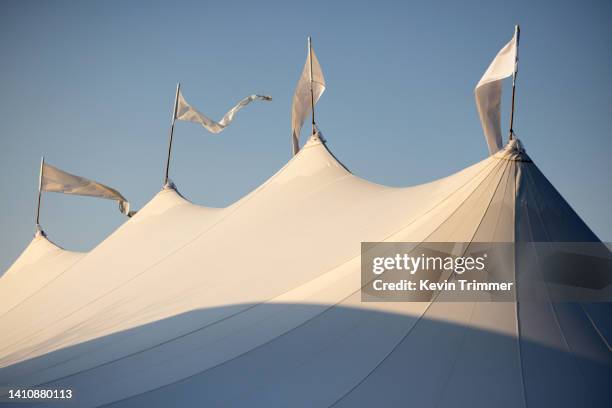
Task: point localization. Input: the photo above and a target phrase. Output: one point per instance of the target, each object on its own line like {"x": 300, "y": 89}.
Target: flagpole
{"x": 517, "y": 34}
{"x": 178, "y": 88}
{"x": 312, "y": 104}
{"x": 40, "y": 178}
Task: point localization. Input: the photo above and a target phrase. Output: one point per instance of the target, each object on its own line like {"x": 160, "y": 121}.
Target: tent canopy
{"x": 259, "y": 302}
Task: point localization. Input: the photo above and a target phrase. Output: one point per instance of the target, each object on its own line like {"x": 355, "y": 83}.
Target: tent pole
{"x": 178, "y": 88}
{"x": 40, "y": 177}
{"x": 517, "y": 34}
{"x": 312, "y": 104}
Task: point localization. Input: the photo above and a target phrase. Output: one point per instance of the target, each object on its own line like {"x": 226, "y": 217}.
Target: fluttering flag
{"x": 309, "y": 89}
{"x": 59, "y": 181}
{"x": 188, "y": 113}
{"x": 488, "y": 93}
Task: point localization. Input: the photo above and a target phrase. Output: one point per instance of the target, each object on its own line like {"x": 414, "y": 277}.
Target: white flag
{"x": 59, "y": 181}
{"x": 488, "y": 94}
{"x": 303, "y": 99}
{"x": 188, "y": 113}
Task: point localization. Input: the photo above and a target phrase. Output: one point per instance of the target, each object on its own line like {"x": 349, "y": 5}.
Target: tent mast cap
{"x": 513, "y": 151}
{"x": 315, "y": 138}
{"x": 169, "y": 185}
{"x": 514, "y": 145}
{"x": 39, "y": 232}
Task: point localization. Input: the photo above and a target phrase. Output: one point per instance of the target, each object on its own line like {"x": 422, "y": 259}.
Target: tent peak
{"x": 39, "y": 232}
{"x": 169, "y": 185}
{"x": 515, "y": 145}
{"x": 514, "y": 150}
{"x": 316, "y": 139}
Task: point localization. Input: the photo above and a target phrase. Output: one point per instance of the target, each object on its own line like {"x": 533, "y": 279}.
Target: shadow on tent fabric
{"x": 343, "y": 357}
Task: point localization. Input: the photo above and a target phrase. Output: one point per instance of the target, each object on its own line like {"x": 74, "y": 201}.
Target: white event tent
{"x": 258, "y": 303}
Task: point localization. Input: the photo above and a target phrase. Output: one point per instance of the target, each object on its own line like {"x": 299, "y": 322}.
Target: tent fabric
{"x": 38, "y": 264}
{"x": 488, "y": 93}
{"x": 259, "y": 303}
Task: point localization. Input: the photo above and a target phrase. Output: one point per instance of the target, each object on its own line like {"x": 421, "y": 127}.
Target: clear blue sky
{"x": 90, "y": 85}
